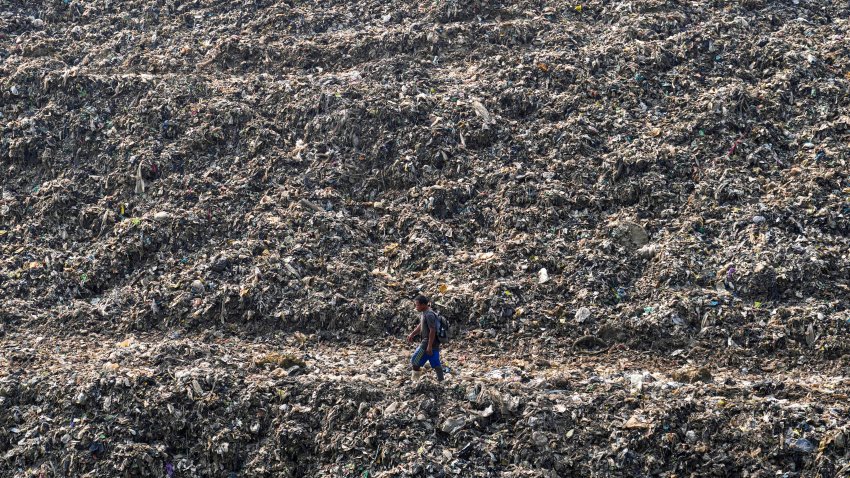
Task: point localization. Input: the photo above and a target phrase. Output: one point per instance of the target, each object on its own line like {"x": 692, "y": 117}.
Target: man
{"x": 429, "y": 348}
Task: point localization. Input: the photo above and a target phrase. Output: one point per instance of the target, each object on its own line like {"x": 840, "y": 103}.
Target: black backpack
{"x": 443, "y": 327}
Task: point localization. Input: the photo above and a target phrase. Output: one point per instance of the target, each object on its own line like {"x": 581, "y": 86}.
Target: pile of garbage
{"x": 292, "y": 406}
{"x": 653, "y": 179}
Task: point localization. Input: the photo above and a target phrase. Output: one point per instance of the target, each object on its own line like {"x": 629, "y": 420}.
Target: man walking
{"x": 429, "y": 348}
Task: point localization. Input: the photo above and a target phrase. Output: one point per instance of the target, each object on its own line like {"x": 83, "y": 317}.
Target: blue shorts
{"x": 420, "y": 357}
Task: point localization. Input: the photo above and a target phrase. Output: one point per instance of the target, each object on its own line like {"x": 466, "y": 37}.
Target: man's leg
{"x": 436, "y": 365}
{"x": 417, "y": 361}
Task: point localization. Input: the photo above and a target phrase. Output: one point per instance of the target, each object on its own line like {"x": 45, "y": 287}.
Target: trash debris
{"x": 637, "y": 422}
{"x": 590, "y": 344}
{"x": 453, "y": 425}
{"x": 692, "y": 375}
{"x": 213, "y": 217}
{"x": 97, "y": 449}
{"x": 630, "y": 234}
{"x": 162, "y": 216}
{"x": 800, "y": 444}
{"x": 582, "y": 315}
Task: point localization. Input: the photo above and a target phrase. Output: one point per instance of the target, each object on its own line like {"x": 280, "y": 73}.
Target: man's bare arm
{"x": 415, "y": 332}
{"x": 431, "y": 335}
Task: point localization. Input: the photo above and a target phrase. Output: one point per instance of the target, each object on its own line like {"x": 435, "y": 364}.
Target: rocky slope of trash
{"x": 663, "y": 180}
{"x": 220, "y": 406}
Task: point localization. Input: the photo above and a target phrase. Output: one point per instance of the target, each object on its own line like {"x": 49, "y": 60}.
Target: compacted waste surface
{"x": 214, "y": 216}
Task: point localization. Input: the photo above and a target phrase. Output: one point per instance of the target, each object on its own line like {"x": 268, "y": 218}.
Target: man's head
{"x": 421, "y": 302}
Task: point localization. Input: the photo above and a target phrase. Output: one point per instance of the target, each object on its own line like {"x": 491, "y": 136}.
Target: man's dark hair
{"x": 421, "y": 300}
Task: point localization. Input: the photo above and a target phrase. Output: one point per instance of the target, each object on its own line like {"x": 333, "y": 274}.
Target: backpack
{"x": 443, "y": 327}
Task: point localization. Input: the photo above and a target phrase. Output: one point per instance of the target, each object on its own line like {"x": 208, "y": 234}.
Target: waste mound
{"x": 205, "y": 206}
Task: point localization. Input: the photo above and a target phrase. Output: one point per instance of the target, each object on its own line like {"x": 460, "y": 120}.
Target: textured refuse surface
{"x": 212, "y": 406}
{"x": 598, "y": 182}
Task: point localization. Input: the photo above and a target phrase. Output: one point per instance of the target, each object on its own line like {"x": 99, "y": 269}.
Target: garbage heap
{"x": 644, "y": 178}
{"x": 294, "y": 406}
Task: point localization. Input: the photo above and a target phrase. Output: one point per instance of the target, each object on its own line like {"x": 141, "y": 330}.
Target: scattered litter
{"x": 215, "y": 219}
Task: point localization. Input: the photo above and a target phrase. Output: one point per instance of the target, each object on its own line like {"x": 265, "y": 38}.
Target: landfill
{"x": 214, "y": 217}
